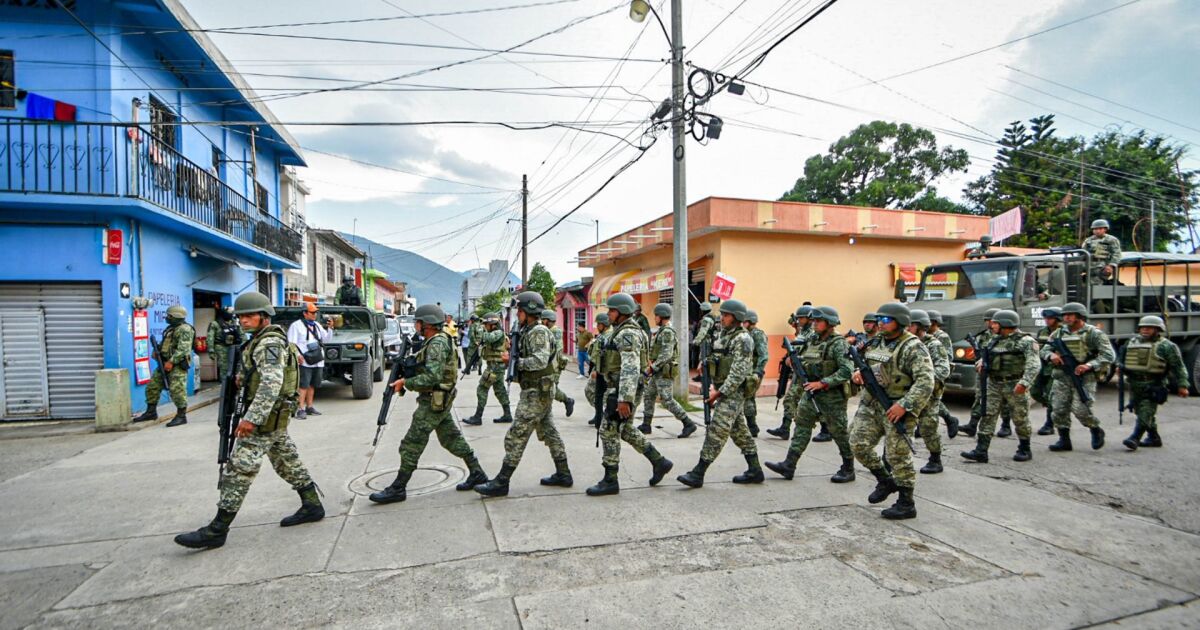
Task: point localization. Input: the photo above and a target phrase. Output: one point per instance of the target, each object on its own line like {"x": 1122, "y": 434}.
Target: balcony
{"x": 126, "y": 161}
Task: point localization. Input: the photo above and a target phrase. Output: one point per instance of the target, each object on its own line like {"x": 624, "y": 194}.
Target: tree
{"x": 541, "y": 281}
{"x": 881, "y": 164}
{"x": 492, "y": 302}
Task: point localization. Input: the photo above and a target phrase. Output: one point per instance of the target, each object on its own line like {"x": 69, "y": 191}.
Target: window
{"x": 329, "y": 269}
{"x": 264, "y": 283}
{"x": 260, "y": 198}
{"x": 163, "y": 123}
{"x": 8, "y": 80}
{"x": 217, "y": 158}
{"x": 341, "y": 270}
{"x": 666, "y": 296}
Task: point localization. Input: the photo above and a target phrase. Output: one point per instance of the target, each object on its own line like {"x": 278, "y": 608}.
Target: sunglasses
{"x": 883, "y": 319}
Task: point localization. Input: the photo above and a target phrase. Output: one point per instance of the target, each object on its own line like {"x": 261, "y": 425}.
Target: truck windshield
{"x": 354, "y": 320}
{"x": 969, "y": 282}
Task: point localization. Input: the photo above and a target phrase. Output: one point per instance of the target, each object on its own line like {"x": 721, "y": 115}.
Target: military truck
{"x": 355, "y": 352}
{"x": 1145, "y": 284}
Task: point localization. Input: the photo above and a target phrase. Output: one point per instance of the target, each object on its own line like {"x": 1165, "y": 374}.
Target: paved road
{"x": 1073, "y": 540}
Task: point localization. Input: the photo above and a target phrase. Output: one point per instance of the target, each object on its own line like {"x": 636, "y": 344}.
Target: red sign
{"x": 114, "y": 245}
{"x": 723, "y": 286}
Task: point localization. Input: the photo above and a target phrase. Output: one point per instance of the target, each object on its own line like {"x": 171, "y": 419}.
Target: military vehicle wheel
{"x": 360, "y": 382}
{"x": 377, "y": 375}
{"x": 1191, "y": 359}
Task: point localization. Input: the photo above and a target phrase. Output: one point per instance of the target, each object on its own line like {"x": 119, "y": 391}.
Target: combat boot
{"x": 1152, "y": 440}
{"x": 1048, "y": 427}
{"x": 475, "y": 477}
{"x": 593, "y": 422}
{"x": 507, "y": 417}
{"x": 1023, "y": 453}
{"x": 645, "y": 427}
{"x": 394, "y": 493}
{"x": 660, "y": 465}
{"x": 787, "y": 467}
{"x": 783, "y": 431}
{"x": 608, "y": 485}
{"x": 689, "y": 428}
{"x": 180, "y": 418}
{"x": 884, "y": 486}
{"x": 951, "y": 425}
{"x": 752, "y": 425}
{"x": 903, "y": 508}
{"x": 823, "y": 435}
{"x": 561, "y": 477}
{"x": 151, "y": 413}
{"x": 1064, "y": 441}
{"x": 845, "y": 474}
{"x": 694, "y": 478}
{"x": 498, "y": 486}
{"x": 1005, "y": 429}
{"x": 210, "y": 536}
{"x": 1131, "y": 442}
{"x": 570, "y": 405}
{"x": 970, "y": 427}
{"x": 980, "y": 452}
{"x": 753, "y": 474}
{"x": 933, "y": 466}
{"x": 476, "y": 419}
{"x": 310, "y": 510}
{"x": 1097, "y": 438}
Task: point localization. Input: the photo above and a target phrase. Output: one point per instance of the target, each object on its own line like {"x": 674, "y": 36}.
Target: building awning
{"x": 649, "y": 281}
{"x": 600, "y": 291}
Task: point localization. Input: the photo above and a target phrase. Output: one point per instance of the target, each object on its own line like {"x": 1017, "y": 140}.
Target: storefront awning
{"x": 648, "y": 281}
{"x": 605, "y": 287}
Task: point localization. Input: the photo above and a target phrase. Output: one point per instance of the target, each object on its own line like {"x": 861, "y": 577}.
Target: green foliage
{"x": 492, "y": 302}
{"x": 1062, "y": 184}
{"x": 881, "y": 164}
{"x": 541, "y": 281}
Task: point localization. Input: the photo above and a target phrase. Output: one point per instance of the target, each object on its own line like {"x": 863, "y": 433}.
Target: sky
{"x": 451, "y": 191}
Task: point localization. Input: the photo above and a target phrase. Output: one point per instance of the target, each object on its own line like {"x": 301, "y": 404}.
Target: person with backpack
{"x": 308, "y": 335}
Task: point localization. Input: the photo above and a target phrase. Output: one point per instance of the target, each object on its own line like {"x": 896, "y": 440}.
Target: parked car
{"x": 355, "y": 351}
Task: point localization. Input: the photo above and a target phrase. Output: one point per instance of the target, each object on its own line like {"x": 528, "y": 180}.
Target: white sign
{"x": 1005, "y": 225}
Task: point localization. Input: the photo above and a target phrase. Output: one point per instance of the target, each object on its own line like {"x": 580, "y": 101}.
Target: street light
{"x": 638, "y": 10}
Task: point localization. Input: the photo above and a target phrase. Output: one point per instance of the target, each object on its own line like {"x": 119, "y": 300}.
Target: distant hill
{"x": 429, "y": 282}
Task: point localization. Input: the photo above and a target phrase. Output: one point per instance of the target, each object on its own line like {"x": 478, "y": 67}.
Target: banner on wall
{"x": 141, "y": 346}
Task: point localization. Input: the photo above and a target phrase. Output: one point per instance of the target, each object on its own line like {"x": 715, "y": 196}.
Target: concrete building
{"x": 380, "y": 293}
{"x": 109, "y": 192}
{"x": 330, "y": 258}
{"x": 293, "y": 196}
{"x": 780, "y": 254}
{"x": 571, "y": 302}
{"x": 481, "y": 282}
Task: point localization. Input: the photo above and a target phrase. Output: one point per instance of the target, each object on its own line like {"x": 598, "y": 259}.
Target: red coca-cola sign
{"x": 114, "y": 246}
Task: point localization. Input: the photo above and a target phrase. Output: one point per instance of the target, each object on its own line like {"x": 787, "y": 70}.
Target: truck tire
{"x": 377, "y": 375}
{"x": 361, "y": 383}
{"x": 1191, "y": 360}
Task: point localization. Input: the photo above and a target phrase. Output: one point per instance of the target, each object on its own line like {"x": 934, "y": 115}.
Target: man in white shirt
{"x": 303, "y": 332}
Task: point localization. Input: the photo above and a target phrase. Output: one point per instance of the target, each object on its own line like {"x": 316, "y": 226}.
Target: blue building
{"x": 118, "y": 182}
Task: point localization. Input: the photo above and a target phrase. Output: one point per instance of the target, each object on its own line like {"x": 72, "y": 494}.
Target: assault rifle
{"x": 1069, "y": 363}
{"x": 985, "y": 361}
{"x": 514, "y": 343}
{"x": 162, "y": 369}
{"x": 403, "y": 365}
{"x": 785, "y": 375}
{"x": 472, "y": 362}
{"x": 801, "y": 374}
{"x": 878, "y": 392}
{"x": 229, "y": 412}
{"x": 860, "y": 338}
{"x": 1121, "y": 406}
{"x": 705, "y": 378}
{"x": 601, "y": 394}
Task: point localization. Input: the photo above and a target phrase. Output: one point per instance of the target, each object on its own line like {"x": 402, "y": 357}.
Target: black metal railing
{"x": 126, "y": 160}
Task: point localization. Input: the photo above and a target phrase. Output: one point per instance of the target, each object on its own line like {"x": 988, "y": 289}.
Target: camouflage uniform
{"x": 476, "y": 333}
{"x": 733, "y": 355}
{"x": 706, "y": 329}
{"x": 269, "y": 376}
{"x": 1014, "y": 360}
{"x": 535, "y": 373}
{"x": 943, "y": 338}
{"x": 559, "y": 363}
{"x": 642, "y": 323}
{"x": 594, "y": 349}
{"x": 910, "y": 382}
{"x": 1041, "y": 385}
{"x": 928, "y": 420}
{"x": 434, "y": 383}
{"x": 1105, "y": 250}
{"x": 176, "y": 348}
{"x": 1091, "y": 346}
{"x": 664, "y": 362}
{"x": 1147, "y": 364}
{"x": 792, "y": 397}
{"x": 761, "y": 354}
{"x": 222, "y": 340}
{"x": 826, "y": 360}
{"x": 492, "y": 345}
{"x": 622, "y": 364}
{"x": 348, "y": 295}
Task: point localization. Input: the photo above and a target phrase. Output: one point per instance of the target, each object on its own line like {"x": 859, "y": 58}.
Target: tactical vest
{"x": 169, "y": 341}
{"x": 449, "y": 368}
{"x": 1043, "y": 335}
{"x": 285, "y": 404}
{"x": 815, "y": 362}
{"x": 1141, "y": 358}
{"x": 557, "y": 357}
{"x": 894, "y": 380}
{"x": 611, "y": 361}
{"x": 230, "y": 335}
{"x": 661, "y": 339}
{"x": 493, "y": 352}
{"x": 1100, "y": 249}
{"x": 1075, "y": 342}
{"x": 721, "y": 359}
{"x": 533, "y": 378}
{"x": 1008, "y": 361}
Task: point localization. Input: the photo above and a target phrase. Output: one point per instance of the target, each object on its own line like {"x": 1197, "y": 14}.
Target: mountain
{"x": 429, "y": 282}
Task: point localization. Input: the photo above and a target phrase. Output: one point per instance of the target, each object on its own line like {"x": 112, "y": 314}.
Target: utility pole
{"x": 679, "y": 198}
{"x": 525, "y": 230}
{"x": 1151, "y": 225}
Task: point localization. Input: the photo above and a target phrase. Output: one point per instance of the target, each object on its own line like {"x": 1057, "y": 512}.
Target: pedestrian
{"x": 493, "y": 348}
{"x": 1147, "y": 362}
{"x": 308, "y": 335}
{"x": 825, "y": 359}
{"x": 761, "y": 354}
{"x": 224, "y": 336}
{"x": 733, "y": 352}
{"x": 583, "y": 339}
{"x": 1090, "y": 348}
{"x": 535, "y": 375}
{"x": 622, "y": 364}
{"x": 1013, "y": 366}
{"x": 1105, "y": 250}
{"x": 1041, "y": 386}
{"x": 927, "y": 422}
{"x": 936, "y": 321}
{"x": 435, "y": 379}
{"x": 905, "y": 371}
{"x": 467, "y": 345}
{"x": 660, "y": 375}
{"x": 549, "y": 319}
{"x": 269, "y": 377}
{"x": 174, "y": 355}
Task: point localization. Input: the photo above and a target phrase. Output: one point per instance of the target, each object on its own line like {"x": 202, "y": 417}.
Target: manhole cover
{"x": 425, "y": 480}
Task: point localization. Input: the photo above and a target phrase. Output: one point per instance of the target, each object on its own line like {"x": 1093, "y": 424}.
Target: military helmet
{"x": 1007, "y": 319}
{"x": 869, "y": 317}
{"x": 805, "y": 311}
{"x": 531, "y": 302}
{"x": 919, "y": 317}
{"x": 896, "y": 311}
{"x": 550, "y": 315}
{"x": 491, "y": 318}
{"x": 751, "y": 316}
{"x": 1051, "y": 313}
{"x": 737, "y": 308}
{"x": 602, "y": 319}
{"x": 1100, "y": 223}
{"x": 1153, "y": 320}
{"x": 935, "y": 317}
{"x": 985, "y": 239}
{"x": 623, "y": 303}
{"x": 705, "y": 307}
{"x": 989, "y": 314}
{"x": 431, "y": 314}
{"x": 253, "y": 302}
{"x": 347, "y": 278}
{"x": 176, "y": 312}
{"x": 1074, "y": 308}
{"x": 827, "y": 313}
{"x": 662, "y": 310}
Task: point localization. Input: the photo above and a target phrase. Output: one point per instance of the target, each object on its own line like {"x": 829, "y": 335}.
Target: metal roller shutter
{"x": 73, "y": 342}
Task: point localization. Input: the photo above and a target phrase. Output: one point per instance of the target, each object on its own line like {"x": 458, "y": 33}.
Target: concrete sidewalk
{"x": 1071, "y": 540}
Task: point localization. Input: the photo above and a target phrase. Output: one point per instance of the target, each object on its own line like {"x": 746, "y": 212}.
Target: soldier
{"x": 1014, "y": 366}
{"x": 549, "y": 318}
{"x": 731, "y": 369}
{"x": 985, "y": 244}
{"x": 927, "y": 422}
{"x": 708, "y": 323}
{"x": 475, "y": 333}
{"x": 1148, "y": 361}
{"x": 348, "y": 294}
{"x": 936, "y": 321}
{"x": 175, "y": 352}
{"x": 594, "y": 349}
{"x": 801, "y": 322}
{"x": 1041, "y": 386}
{"x": 224, "y": 335}
{"x": 906, "y": 372}
{"x": 622, "y": 363}
{"x": 761, "y": 354}
{"x": 269, "y": 376}
{"x": 660, "y": 376}
{"x": 493, "y": 346}
{"x": 983, "y": 340}
{"x": 642, "y": 321}
{"x": 535, "y": 375}
{"x": 1105, "y": 250}
{"x": 1091, "y": 348}
{"x": 827, "y": 364}
{"x": 435, "y": 380}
